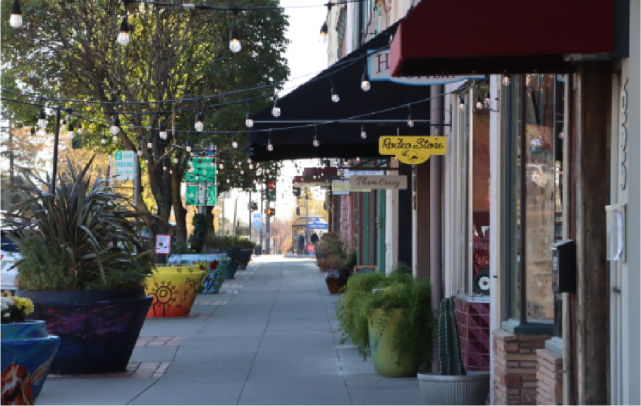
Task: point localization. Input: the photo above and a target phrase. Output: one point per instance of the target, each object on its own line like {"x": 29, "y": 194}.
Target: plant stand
{"x": 470, "y": 389}
{"x": 27, "y": 353}
{"x": 98, "y": 329}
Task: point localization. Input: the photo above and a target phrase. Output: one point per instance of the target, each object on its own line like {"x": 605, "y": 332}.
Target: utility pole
{"x": 233, "y": 225}
{"x": 249, "y": 209}
{"x": 268, "y": 248}
{"x": 261, "y": 224}
{"x": 306, "y": 218}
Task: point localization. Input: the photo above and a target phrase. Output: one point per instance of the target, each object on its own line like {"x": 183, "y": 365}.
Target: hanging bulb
{"x": 323, "y": 33}
{"x": 140, "y": 152}
{"x": 234, "y": 40}
{"x": 335, "y": 97}
{"x": 70, "y": 131}
{"x": 199, "y": 122}
{"x": 248, "y": 120}
{"x": 176, "y": 160}
{"x": 242, "y": 172}
{"x": 15, "y": 20}
{"x": 63, "y": 122}
{"x": 162, "y": 132}
{"x": 315, "y": 142}
{"x": 267, "y": 171}
{"x": 270, "y": 146}
{"x": 276, "y": 110}
{"x": 171, "y": 171}
{"x": 228, "y": 180}
{"x": 123, "y": 37}
{"x": 365, "y": 84}
{"x": 188, "y": 147}
{"x": 487, "y": 100}
{"x": 221, "y": 166}
{"x": 358, "y": 159}
{"x": 249, "y": 160}
{"x": 254, "y": 180}
{"x": 79, "y": 129}
{"x": 410, "y": 122}
{"x": 149, "y": 143}
{"x": 42, "y": 119}
{"x": 251, "y": 166}
{"x": 115, "y": 127}
{"x": 164, "y": 166}
{"x": 234, "y": 144}
{"x": 506, "y": 80}
{"x": 103, "y": 140}
{"x": 461, "y": 103}
{"x": 479, "y": 102}
{"x": 147, "y": 161}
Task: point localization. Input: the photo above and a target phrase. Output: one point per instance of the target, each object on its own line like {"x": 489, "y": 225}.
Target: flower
{"x": 213, "y": 265}
{"x": 15, "y": 309}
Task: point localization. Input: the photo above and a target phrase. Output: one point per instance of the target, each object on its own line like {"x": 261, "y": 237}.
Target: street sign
{"x": 204, "y": 171}
{"x": 257, "y": 220}
{"x": 163, "y": 244}
{"x": 196, "y": 195}
{"x": 124, "y": 165}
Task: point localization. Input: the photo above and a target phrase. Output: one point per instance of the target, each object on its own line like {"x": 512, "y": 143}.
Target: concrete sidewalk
{"x": 269, "y": 337}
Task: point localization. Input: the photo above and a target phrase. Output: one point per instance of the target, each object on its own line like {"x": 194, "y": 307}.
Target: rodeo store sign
{"x": 412, "y": 150}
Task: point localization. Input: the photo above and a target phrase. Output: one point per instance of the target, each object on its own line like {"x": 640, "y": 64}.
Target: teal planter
{"x": 27, "y": 355}
{"x": 235, "y": 256}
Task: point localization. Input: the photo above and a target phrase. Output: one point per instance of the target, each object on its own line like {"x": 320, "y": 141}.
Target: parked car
{"x": 8, "y": 256}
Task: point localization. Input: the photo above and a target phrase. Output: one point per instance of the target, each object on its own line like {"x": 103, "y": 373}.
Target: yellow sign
{"x": 412, "y": 150}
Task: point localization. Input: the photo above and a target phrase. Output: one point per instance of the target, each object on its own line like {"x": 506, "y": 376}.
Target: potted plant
{"x": 391, "y": 318}
{"x": 215, "y": 276}
{"x": 452, "y": 385}
{"x": 337, "y": 272}
{"x": 82, "y": 265}
{"x": 27, "y": 352}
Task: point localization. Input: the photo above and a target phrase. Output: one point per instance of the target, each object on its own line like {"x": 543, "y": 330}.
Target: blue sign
{"x": 317, "y": 224}
{"x": 257, "y": 220}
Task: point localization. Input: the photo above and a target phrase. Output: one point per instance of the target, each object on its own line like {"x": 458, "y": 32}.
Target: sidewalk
{"x": 269, "y": 337}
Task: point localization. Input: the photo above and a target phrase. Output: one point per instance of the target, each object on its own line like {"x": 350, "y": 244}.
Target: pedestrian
{"x": 301, "y": 243}
{"x": 314, "y": 238}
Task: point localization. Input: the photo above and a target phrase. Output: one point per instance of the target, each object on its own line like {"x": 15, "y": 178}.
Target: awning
{"x": 317, "y": 224}
{"x": 503, "y": 36}
{"x": 311, "y": 103}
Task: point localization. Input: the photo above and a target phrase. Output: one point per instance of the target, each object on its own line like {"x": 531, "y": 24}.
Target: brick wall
{"x": 516, "y": 367}
{"x": 473, "y": 321}
{"x": 550, "y": 377}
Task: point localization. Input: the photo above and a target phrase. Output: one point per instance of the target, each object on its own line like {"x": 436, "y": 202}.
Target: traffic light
{"x": 296, "y": 191}
{"x": 271, "y": 212}
{"x": 271, "y": 190}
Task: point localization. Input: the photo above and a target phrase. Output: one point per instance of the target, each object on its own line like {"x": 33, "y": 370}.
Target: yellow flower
{"x": 24, "y": 305}
{"x": 6, "y": 293}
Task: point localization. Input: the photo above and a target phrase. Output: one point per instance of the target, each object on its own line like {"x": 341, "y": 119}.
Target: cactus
{"x": 449, "y": 352}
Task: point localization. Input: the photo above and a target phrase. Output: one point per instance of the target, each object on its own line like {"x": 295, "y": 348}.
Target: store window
{"x": 532, "y": 113}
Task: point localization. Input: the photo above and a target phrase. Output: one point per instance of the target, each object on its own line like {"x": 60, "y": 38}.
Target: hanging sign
{"x": 163, "y": 244}
{"x": 340, "y": 187}
{"x": 124, "y": 165}
{"x": 394, "y": 182}
{"x": 204, "y": 171}
{"x": 412, "y": 150}
{"x": 379, "y": 68}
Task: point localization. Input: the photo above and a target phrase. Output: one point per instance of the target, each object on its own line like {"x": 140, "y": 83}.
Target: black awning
{"x": 311, "y": 102}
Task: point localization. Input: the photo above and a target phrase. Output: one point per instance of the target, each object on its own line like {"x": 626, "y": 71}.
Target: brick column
{"x": 550, "y": 377}
{"x": 515, "y": 367}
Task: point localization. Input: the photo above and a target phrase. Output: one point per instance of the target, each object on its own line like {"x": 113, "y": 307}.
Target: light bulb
{"x": 42, "y": 119}
{"x": 234, "y": 144}
{"x": 254, "y": 180}
{"x": 188, "y": 147}
{"x": 506, "y": 80}
{"x": 315, "y": 142}
{"x": 323, "y": 33}
{"x": 410, "y": 122}
{"x": 15, "y": 20}
{"x": 221, "y": 166}
{"x": 79, "y": 129}
{"x": 270, "y": 146}
{"x": 365, "y": 84}
{"x": 363, "y": 133}
{"x": 171, "y": 171}
{"x": 103, "y": 140}
{"x": 162, "y": 132}
{"x": 276, "y": 111}
{"x": 212, "y": 164}
{"x": 242, "y": 172}
{"x": 358, "y": 159}
{"x": 479, "y": 103}
{"x": 249, "y": 160}
{"x": 164, "y": 166}
{"x": 335, "y": 97}
{"x": 147, "y": 161}
{"x": 140, "y": 152}
{"x": 248, "y": 120}
{"x": 487, "y": 100}
{"x": 461, "y": 103}
{"x": 149, "y": 143}
{"x": 123, "y": 37}
{"x": 115, "y": 138}
{"x": 199, "y": 122}
{"x": 70, "y": 131}
{"x": 115, "y": 127}
{"x": 176, "y": 160}
{"x": 251, "y": 166}
{"x": 227, "y": 180}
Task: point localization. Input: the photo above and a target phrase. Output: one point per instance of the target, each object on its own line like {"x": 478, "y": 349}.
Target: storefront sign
{"x": 340, "y": 187}
{"x": 412, "y": 150}
{"x": 379, "y": 68}
{"x": 395, "y": 182}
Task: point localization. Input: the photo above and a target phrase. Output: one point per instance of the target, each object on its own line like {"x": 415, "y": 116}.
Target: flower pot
{"x": 213, "y": 280}
{"x": 27, "y": 354}
{"x": 382, "y": 329}
{"x": 98, "y": 329}
{"x": 336, "y": 279}
{"x": 470, "y": 389}
{"x": 234, "y": 256}
{"x": 173, "y": 290}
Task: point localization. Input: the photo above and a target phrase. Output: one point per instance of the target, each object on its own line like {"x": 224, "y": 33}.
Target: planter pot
{"x": 335, "y": 280}
{"x": 98, "y": 329}
{"x": 246, "y": 255}
{"x": 213, "y": 280}
{"x": 470, "y": 389}
{"x": 192, "y": 258}
{"x": 27, "y": 353}
{"x": 385, "y": 357}
{"x": 234, "y": 256}
{"x": 173, "y": 290}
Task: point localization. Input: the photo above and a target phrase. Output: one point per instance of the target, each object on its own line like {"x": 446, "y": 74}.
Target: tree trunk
{"x": 180, "y": 213}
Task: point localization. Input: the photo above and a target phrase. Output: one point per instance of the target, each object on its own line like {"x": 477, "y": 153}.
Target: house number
{"x": 623, "y": 132}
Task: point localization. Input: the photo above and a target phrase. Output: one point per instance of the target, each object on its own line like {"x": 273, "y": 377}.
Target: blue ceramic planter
{"x": 27, "y": 354}
{"x": 213, "y": 280}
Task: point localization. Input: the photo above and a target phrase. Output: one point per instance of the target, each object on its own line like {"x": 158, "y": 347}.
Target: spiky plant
{"x": 449, "y": 351}
{"x": 82, "y": 237}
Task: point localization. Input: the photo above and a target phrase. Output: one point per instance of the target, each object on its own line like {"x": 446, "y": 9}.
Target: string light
{"x": 234, "y": 39}
{"x": 70, "y": 131}
{"x": 164, "y": 164}
{"x": 479, "y": 102}
{"x": 248, "y": 120}
{"x": 315, "y": 141}
{"x": 176, "y": 160}
{"x": 149, "y": 143}
{"x": 199, "y": 122}
{"x": 104, "y": 139}
{"x": 162, "y": 132}
{"x": 365, "y": 84}
{"x": 506, "y": 80}
{"x": 221, "y": 166}
{"x": 79, "y": 129}
{"x": 335, "y": 97}
{"x": 188, "y": 146}
{"x": 461, "y": 103}
{"x": 15, "y": 20}
{"x": 410, "y": 122}
{"x": 251, "y": 166}
{"x": 323, "y": 33}
{"x": 140, "y": 152}
{"x": 234, "y": 144}
{"x": 123, "y": 37}
{"x": 487, "y": 100}
{"x": 115, "y": 128}
{"x": 270, "y": 146}
{"x": 42, "y": 119}
{"x": 276, "y": 109}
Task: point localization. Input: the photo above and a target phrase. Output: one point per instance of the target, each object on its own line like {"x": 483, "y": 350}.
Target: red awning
{"x": 504, "y": 36}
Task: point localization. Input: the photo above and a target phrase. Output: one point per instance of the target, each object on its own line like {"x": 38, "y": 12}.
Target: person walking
{"x": 301, "y": 243}
{"x": 314, "y": 238}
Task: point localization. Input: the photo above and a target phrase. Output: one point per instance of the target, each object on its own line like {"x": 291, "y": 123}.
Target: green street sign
{"x": 201, "y": 175}
{"x": 196, "y": 195}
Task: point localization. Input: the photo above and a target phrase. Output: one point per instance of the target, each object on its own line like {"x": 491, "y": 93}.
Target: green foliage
{"x": 449, "y": 351}
{"x": 81, "y": 238}
{"x": 227, "y": 241}
{"x": 399, "y": 290}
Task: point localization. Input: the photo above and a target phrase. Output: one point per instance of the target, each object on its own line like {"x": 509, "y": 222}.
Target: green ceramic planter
{"x": 386, "y": 358}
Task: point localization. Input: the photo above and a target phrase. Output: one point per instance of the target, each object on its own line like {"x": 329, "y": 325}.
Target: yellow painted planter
{"x": 173, "y": 290}
{"x": 384, "y": 355}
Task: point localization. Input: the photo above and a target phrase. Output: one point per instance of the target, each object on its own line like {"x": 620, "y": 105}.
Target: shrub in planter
{"x": 82, "y": 265}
